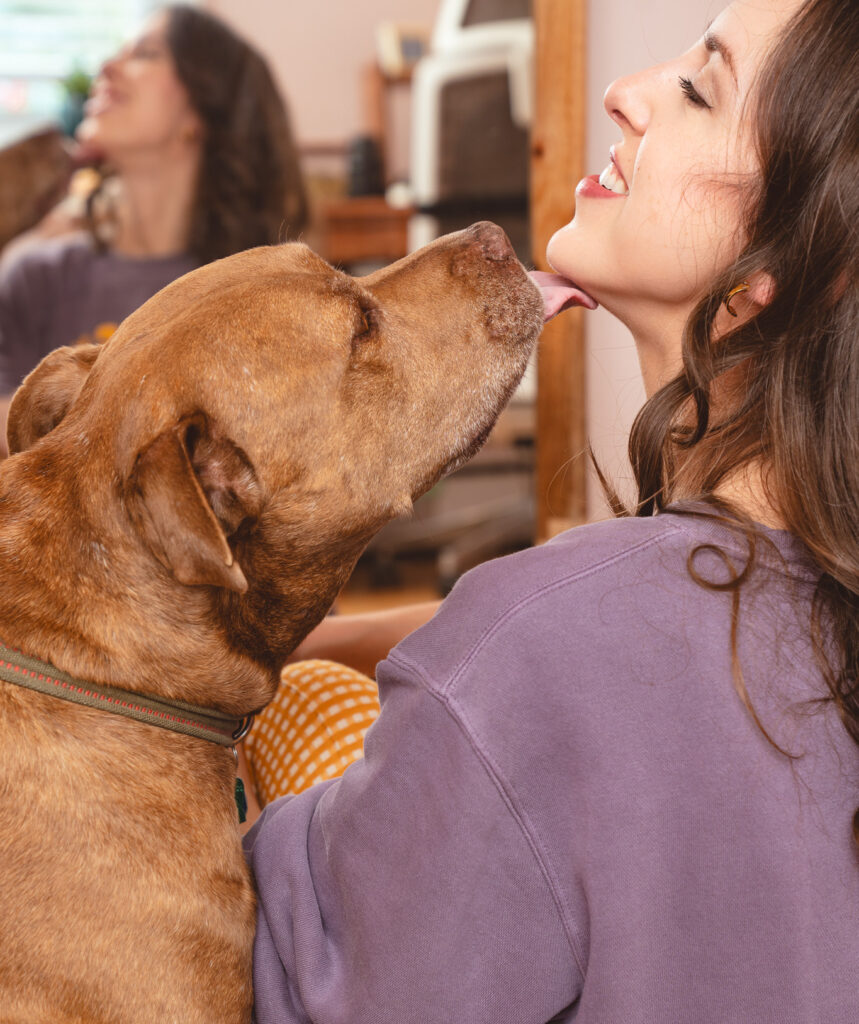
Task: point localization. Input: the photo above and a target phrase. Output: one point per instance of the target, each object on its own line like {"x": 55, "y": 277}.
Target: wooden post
{"x": 557, "y": 165}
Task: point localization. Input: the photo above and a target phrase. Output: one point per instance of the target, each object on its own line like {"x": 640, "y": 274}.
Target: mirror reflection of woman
{"x": 616, "y": 778}
{"x": 197, "y": 162}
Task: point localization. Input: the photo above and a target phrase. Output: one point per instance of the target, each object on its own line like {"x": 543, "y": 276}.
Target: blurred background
{"x": 413, "y": 118}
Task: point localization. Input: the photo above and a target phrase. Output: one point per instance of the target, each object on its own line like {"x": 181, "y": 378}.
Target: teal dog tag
{"x": 241, "y": 801}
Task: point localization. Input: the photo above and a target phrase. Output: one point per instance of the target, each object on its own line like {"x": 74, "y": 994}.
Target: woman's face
{"x": 137, "y": 103}
{"x": 649, "y": 246}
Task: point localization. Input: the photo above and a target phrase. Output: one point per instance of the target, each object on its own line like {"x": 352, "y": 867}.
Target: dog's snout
{"x": 493, "y": 241}
{"x": 480, "y": 244}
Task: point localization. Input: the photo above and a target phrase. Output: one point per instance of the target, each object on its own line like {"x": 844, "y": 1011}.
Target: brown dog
{"x": 34, "y": 173}
{"x": 175, "y": 529}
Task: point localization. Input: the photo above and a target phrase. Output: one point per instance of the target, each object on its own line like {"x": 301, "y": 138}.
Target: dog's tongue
{"x": 559, "y": 294}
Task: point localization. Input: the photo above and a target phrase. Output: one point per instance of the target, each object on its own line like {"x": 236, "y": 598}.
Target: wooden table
{"x": 363, "y": 229}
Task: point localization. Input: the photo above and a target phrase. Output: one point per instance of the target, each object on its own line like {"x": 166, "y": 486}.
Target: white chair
{"x": 472, "y": 102}
{"x": 472, "y": 105}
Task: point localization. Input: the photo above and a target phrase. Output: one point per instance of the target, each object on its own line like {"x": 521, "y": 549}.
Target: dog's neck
{"x": 42, "y": 677}
{"x": 128, "y": 624}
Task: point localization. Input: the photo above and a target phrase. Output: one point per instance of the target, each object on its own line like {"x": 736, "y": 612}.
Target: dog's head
{"x": 258, "y": 420}
{"x": 34, "y": 174}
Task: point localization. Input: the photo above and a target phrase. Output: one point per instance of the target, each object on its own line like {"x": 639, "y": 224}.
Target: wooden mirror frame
{"x": 557, "y": 165}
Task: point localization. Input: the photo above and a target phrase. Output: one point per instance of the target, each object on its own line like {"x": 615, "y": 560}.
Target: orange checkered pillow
{"x": 312, "y": 730}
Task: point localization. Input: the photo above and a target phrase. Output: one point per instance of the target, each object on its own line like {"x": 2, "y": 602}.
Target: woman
{"x": 615, "y": 777}
{"x": 198, "y": 162}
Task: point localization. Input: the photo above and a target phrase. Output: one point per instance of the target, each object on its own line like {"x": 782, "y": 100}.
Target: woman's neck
{"x": 153, "y": 207}
{"x": 746, "y": 490}
{"x": 745, "y": 487}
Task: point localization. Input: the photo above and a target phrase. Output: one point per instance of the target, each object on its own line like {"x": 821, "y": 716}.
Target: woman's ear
{"x": 745, "y": 301}
{"x": 761, "y": 289}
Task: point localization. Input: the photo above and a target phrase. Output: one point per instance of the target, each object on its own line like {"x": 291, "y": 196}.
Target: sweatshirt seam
{"x": 710, "y": 532}
{"x": 541, "y": 591}
{"x": 513, "y": 807}
{"x": 510, "y": 797}
{"x": 507, "y": 792}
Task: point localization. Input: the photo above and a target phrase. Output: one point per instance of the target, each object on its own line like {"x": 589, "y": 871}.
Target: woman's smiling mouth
{"x": 612, "y": 180}
{"x": 100, "y": 99}
{"x": 610, "y": 184}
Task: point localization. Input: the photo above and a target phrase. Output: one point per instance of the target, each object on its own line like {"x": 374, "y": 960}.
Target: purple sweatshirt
{"x": 63, "y": 291}
{"x": 566, "y": 811}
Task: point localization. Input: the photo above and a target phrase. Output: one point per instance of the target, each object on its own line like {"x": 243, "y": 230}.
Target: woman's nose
{"x": 110, "y": 66}
{"x": 628, "y": 101}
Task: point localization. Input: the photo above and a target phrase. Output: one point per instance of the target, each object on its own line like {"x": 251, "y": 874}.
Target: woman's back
{"x": 615, "y": 812}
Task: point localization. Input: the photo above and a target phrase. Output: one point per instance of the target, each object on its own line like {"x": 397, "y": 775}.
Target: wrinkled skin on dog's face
{"x": 365, "y": 388}
{"x": 257, "y": 421}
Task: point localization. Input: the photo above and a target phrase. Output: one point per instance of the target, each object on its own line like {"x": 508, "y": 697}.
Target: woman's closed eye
{"x": 148, "y": 47}
{"x": 692, "y": 93}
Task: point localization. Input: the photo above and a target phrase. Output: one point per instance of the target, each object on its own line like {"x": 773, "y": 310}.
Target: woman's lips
{"x": 100, "y": 99}
{"x": 559, "y": 293}
{"x": 95, "y": 105}
{"x": 590, "y": 188}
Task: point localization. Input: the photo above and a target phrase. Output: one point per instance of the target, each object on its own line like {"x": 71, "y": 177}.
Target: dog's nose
{"x": 493, "y": 242}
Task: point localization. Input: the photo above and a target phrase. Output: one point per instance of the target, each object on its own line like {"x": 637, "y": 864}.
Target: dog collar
{"x": 203, "y": 723}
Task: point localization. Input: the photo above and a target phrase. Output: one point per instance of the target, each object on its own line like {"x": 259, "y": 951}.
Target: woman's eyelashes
{"x": 692, "y": 93}
{"x": 147, "y": 48}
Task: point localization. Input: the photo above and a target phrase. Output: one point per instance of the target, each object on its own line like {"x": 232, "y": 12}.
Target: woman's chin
{"x": 557, "y": 243}
{"x": 567, "y": 255}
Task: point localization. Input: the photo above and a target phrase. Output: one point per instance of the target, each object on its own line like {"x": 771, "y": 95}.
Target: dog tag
{"x": 241, "y": 801}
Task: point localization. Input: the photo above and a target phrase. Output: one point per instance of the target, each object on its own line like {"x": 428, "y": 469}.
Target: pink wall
{"x": 623, "y": 37}
{"x": 318, "y": 49}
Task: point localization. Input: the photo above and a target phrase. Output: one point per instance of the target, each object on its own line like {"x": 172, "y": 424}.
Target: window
{"x": 43, "y": 41}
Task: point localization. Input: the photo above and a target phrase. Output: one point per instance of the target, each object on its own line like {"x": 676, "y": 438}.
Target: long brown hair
{"x": 250, "y": 190}
{"x": 797, "y": 413}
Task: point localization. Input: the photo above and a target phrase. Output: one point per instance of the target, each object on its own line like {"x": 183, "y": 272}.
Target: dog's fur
{"x": 34, "y": 173}
{"x": 183, "y": 508}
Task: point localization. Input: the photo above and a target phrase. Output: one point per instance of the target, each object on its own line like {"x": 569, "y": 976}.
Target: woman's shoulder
{"x": 571, "y": 573}
{"x": 54, "y": 256}
{"x": 610, "y": 583}
{"x": 582, "y": 558}
{"x": 598, "y": 555}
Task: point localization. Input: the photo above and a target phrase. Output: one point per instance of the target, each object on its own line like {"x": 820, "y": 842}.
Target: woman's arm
{"x": 362, "y": 641}
{"x": 408, "y": 889}
{"x": 66, "y": 218}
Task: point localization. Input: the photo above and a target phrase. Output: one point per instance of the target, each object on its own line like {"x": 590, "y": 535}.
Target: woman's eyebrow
{"x": 153, "y": 38}
{"x": 716, "y": 45}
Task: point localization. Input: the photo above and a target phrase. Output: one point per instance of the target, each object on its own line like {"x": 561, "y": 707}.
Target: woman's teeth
{"x": 611, "y": 180}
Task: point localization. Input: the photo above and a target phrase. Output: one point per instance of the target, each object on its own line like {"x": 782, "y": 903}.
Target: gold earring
{"x": 744, "y": 287}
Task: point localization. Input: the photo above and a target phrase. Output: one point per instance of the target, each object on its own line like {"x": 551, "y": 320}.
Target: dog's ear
{"x": 189, "y": 491}
{"x": 47, "y": 394}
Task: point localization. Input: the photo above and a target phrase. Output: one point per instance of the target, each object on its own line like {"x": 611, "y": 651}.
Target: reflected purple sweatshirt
{"x": 566, "y": 812}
